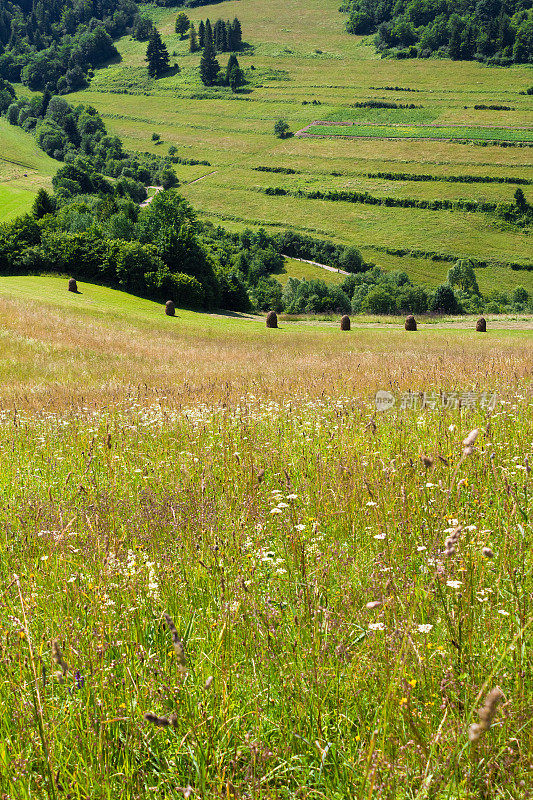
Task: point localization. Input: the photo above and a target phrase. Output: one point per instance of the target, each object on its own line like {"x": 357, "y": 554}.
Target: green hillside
{"x": 24, "y": 168}
{"x": 303, "y": 66}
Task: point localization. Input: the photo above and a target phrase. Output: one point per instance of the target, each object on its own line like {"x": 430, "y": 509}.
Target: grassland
{"x": 301, "y": 55}
{"x": 377, "y": 131}
{"x": 24, "y": 168}
{"x": 241, "y": 480}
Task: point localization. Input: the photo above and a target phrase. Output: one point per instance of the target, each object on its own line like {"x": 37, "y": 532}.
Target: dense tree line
{"x": 495, "y": 31}
{"x": 223, "y": 36}
{"x": 53, "y": 45}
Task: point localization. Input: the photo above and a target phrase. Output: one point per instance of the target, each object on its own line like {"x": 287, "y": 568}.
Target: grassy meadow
{"x": 241, "y": 481}
{"x": 24, "y": 168}
{"x": 303, "y": 67}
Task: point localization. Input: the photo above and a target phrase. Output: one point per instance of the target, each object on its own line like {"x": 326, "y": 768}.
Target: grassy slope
{"x": 235, "y": 132}
{"x": 24, "y": 168}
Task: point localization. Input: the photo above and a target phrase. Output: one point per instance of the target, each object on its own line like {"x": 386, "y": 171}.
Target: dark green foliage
{"x": 486, "y": 30}
{"x": 142, "y": 28}
{"x": 234, "y": 74}
{"x": 463, "y": 276}
{"x": 182, "y": 24}
{"x": 225, "y": 36}
{"x": 409, "y": 176}
{"x": 281, "y": 129}
{"x": 157, "y": 55}
{"x": 193, "y": 40}
{"x": 344, "y": 196}
{"x": 209, "y": 66}
{"x": 54, "y": 45}
{"x": 444, "y": 300}
{"x": 315, "y": 296}
{"x": 294, "y": 244}
{"x": 43, "y": 204}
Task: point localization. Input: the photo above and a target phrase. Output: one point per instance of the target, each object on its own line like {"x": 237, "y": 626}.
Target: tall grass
{"x": 324, "y": 645}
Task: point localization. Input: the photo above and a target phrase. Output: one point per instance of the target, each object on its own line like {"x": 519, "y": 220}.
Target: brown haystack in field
{"x": 170, "y": 309}
{"x": 272, "y": 319}
{"x": 410, "y": 323}
{"x": 72, "y": 285}
{"x": 481, "y": 325}
{"x": 345, "y": 323}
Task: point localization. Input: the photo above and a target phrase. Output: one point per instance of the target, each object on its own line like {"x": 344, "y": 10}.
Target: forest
{"x": 498, "y": 32}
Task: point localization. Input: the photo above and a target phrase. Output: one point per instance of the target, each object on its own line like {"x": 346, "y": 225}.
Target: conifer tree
{"x": 209, "y": 66}
{"x": 43, "y": 204}
{"x": 156, "y": 55}
{"x": 236, "y": 35}
{"x": 193, "y": 41}
{"x": 201, "y": 34}
{"x": 182, "y": 24}
{"x": 234, "y": 74}
{"x": 208, "y": 34}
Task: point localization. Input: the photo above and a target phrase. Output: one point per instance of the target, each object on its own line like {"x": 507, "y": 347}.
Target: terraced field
{"x": 301, "y": 66}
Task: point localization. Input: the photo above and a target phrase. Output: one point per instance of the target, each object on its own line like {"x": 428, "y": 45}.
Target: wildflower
{"x": 424, "y": 628}
{"x": 376, "y": 626}
{"x": 380, "y": 536}
{"x": 371, "y": 503}
{"x": 373, "y": 604}
{"x": 487, "y": 552}
{"x": 283, "y": 505}
{"x": 454, "y": 584}
{"x": 292, "y": 497}
{"x": 276, "y": 511}
{"x": 503, "y": 612}
{"x": 299, "y": 527}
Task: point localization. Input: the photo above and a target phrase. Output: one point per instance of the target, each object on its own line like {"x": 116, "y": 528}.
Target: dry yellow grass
{"x": 88, "y": 349}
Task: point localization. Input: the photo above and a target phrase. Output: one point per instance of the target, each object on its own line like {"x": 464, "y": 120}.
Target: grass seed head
{"x": 451, "y": 542}
{"x": 177, "y": 643}
{"x": 57, "y": 655}
{"x": 161, "y": 722}
{"x": 487, "y": 552}
{"x": 486, "y": 714}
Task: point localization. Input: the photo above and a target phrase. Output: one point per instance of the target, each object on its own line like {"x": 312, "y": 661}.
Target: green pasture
{"x": 24, "y": 168}
{"x": 377, "y": 131}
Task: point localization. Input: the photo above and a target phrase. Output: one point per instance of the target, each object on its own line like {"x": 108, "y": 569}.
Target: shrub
{"x": 281, "y": 129}
{"x": 444, "y": 300}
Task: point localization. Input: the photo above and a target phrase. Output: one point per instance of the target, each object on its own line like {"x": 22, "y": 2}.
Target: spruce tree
{"x": 201, "y": 34}
{"x": 43, "y": 204}
{"x": 182, "y": 24}
{"x": 232, "y": 63}
{"x": 208, "y": 34}
{"x": 157, "y": 55}
{"x": 209, "y": 66}
{"x": 236, "y": 34}
{"x": 193, "y": 41}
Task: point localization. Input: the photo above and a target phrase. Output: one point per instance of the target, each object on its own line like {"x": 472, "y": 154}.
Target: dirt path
{"x": 201, "y": 178}
{"x": 317, "y": 264}
{"x": 149, "y": 199}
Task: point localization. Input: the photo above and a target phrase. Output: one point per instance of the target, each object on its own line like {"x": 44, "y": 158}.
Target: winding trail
{"x": 317, "y": 264}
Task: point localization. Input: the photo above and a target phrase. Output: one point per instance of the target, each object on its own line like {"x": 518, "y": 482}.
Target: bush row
{"x": 335, "y": 195}
{"x": 408, "y": 176}
{"x": 449, "y": 257}
{"x": 481, "y": 107}
{"x": 281, "y": 170}
{"x": 383, "y": 104}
